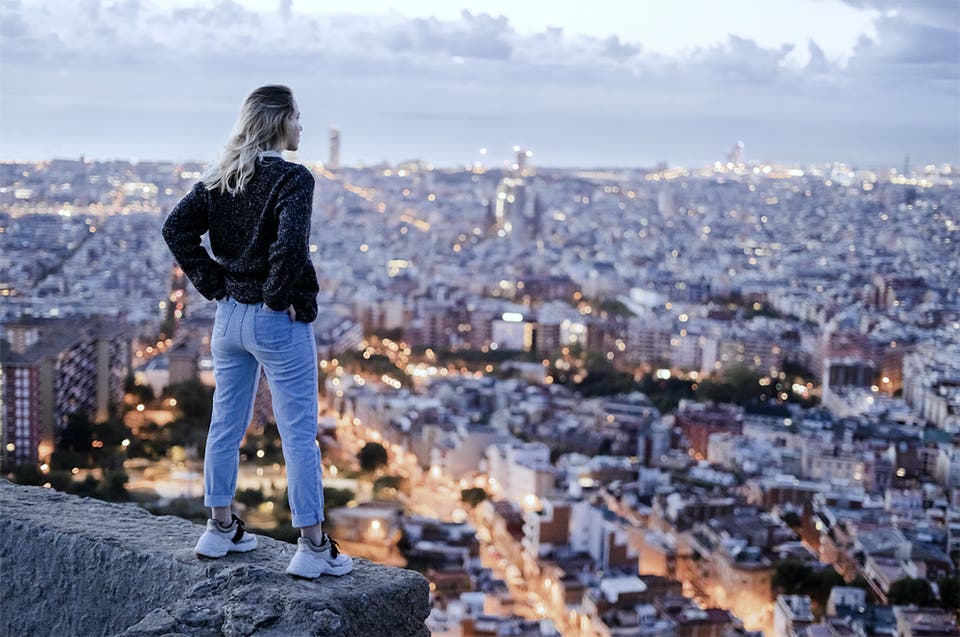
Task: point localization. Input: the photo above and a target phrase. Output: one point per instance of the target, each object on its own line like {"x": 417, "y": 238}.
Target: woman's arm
{"x": 182, "y": 230}
{"x": 289, "y": 254}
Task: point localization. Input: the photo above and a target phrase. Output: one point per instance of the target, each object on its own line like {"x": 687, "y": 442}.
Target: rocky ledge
{"x": 78, "y": 566}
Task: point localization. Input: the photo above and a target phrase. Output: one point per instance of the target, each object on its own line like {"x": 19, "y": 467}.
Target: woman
{"x": 257, "y": 207}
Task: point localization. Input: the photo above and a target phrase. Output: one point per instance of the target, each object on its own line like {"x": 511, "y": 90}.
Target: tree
{"x": 372, "y": 456}
{"x": 739, "y": 385}
{"x": 791, "y": 576}
{"x": 188, "y": 508}
{"x": 336, "y": 498}
{"x": 911, "y": 591}
{"x": 28, "y": 474}
{"x": 791, "y": 519}
{"x": 73, "y": 443}
{"x": 77, "y": 435}
{"x": 949, "y": 592}
{"x": 114, "y": 486}
{"x": 87, "y": 488}
{"x": 144, "y": 393}
{"x": 194, "y": 400}
{"x": 820, "y": 583}
{"x": 603, "y": 378}
{"x": 794, "y": 577}
{"x": 667, "y": 393}
{"x": 112, "y": 433}
{"x": 387, "y": 485}
{"x": 473, "y": 496}
{"x": 250, "y": 498}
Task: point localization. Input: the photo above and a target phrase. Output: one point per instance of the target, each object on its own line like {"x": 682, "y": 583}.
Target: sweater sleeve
{"x": 289, "y": 254}
{"x": 182, "y": 230}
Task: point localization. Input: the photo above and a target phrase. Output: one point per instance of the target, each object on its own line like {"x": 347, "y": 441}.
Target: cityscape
{"x": 717, "y": 399}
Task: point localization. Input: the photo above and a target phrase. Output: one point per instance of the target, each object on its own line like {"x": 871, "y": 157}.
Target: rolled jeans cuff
{"x": 217, "y": 500}
{"x": 306, "y": 519}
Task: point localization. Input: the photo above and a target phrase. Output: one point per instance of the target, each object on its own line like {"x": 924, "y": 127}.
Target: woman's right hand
{"x": 292, "y": 313}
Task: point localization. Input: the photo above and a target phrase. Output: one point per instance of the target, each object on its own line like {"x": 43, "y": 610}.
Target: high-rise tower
{"x": 334, "y": 149}
{"x": 520, "y": 166}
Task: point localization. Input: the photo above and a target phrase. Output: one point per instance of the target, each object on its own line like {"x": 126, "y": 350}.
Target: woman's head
{"x": 269, "y": 120}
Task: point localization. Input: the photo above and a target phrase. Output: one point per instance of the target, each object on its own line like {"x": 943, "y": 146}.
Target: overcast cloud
{"x": 145, "y": 80}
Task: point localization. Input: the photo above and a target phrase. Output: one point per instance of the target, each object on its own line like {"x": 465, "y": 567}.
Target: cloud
{"x": 943, "y": 13}
{"x": 618, "y": 50}
{"x": 914, "y": 39}
{"x": 901, "y": 41}
{"x": 225, "y": 34}
{"x": 477, "y": 66}
{"x": 818, "y": 61}
{"x": 742, "y": 61}
{"x": 479, "y": 36}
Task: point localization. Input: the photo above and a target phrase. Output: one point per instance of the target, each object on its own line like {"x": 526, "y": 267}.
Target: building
{"x": 334, "y": 161}
{"x": 51, "y": 370}
{"x": 605, "y": 606}
{"x": 790, "y": 614}
{"x": 924, "y": 622}
{"x": 517, "y": 211}
{"x": 522, "y": 472}
{"x": 847, "y": 372}
{"x": 547, "y": 529}
{"x": 698, "y": 421}
{"x": 931, "y": 384}
{"x": 183, "y": 361}
{"x": 845, "y": 596}
{"x": 335, "y": 335}
{"x": 727, "y": 570}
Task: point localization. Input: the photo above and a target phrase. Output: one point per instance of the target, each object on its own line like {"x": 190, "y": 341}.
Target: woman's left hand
{"x": 292, "y": 313}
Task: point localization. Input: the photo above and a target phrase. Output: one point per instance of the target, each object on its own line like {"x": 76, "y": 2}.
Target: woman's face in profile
{"x": 292, "y": 128}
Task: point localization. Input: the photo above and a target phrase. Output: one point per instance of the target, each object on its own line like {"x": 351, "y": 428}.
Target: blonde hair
{"x": 260, "y": 127}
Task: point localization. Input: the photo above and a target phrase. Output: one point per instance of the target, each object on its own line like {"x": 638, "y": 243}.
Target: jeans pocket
{"x": 272, "y": 329}
{"x": 222, "y": 317}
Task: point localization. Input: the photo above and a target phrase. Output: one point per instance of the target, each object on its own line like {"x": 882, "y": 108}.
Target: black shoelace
{"x": 334, "y": 547}
{"x": 241, "y": 527}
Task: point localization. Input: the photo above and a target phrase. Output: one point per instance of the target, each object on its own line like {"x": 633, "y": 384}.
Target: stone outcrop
{"x": 78, "y": 566}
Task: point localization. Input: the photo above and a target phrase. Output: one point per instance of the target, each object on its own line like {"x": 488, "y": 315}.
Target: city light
{"x": 554, "y": 358}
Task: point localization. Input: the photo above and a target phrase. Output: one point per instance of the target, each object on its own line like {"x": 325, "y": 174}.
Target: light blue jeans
{"x": 247, "y": 337}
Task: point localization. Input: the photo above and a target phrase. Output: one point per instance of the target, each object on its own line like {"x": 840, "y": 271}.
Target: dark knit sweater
{"x": 259, "y": 239}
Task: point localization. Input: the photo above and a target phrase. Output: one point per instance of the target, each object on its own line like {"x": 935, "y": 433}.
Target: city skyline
{"x": 649, "y": 324}
{"x": 695, "y": 390}
{"x": 864, "y": 82}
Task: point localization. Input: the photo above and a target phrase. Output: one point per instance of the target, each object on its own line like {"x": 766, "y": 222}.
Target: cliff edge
{"x": 78, "y": 566}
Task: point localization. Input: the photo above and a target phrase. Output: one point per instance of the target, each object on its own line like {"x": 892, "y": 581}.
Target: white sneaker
{"x": 312, "y": 561}
{"x": 218, "y": 540}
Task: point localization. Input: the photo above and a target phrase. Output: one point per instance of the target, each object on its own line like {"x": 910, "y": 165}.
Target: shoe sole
{"x": 307, "y": 573}
{"x": 204, "y": 550}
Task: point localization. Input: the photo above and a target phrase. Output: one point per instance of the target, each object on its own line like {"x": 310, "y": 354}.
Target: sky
{"x": 589, "y": 84}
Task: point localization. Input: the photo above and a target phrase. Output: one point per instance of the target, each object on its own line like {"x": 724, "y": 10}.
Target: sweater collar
{"x": 270, "y": 153}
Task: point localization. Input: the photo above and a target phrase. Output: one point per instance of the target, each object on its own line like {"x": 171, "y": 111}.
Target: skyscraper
{"x": 737, "y": 153}
{"x": 517, "y": 211}
{"x": 334, "y": 149}
{"x": 520, "y": 167}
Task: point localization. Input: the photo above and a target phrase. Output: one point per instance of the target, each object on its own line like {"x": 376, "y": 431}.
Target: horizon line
{"x": 434, "y": 166}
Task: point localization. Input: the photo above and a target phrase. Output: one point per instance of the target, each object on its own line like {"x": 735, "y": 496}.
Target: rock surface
{"x": 78, "y": 566}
